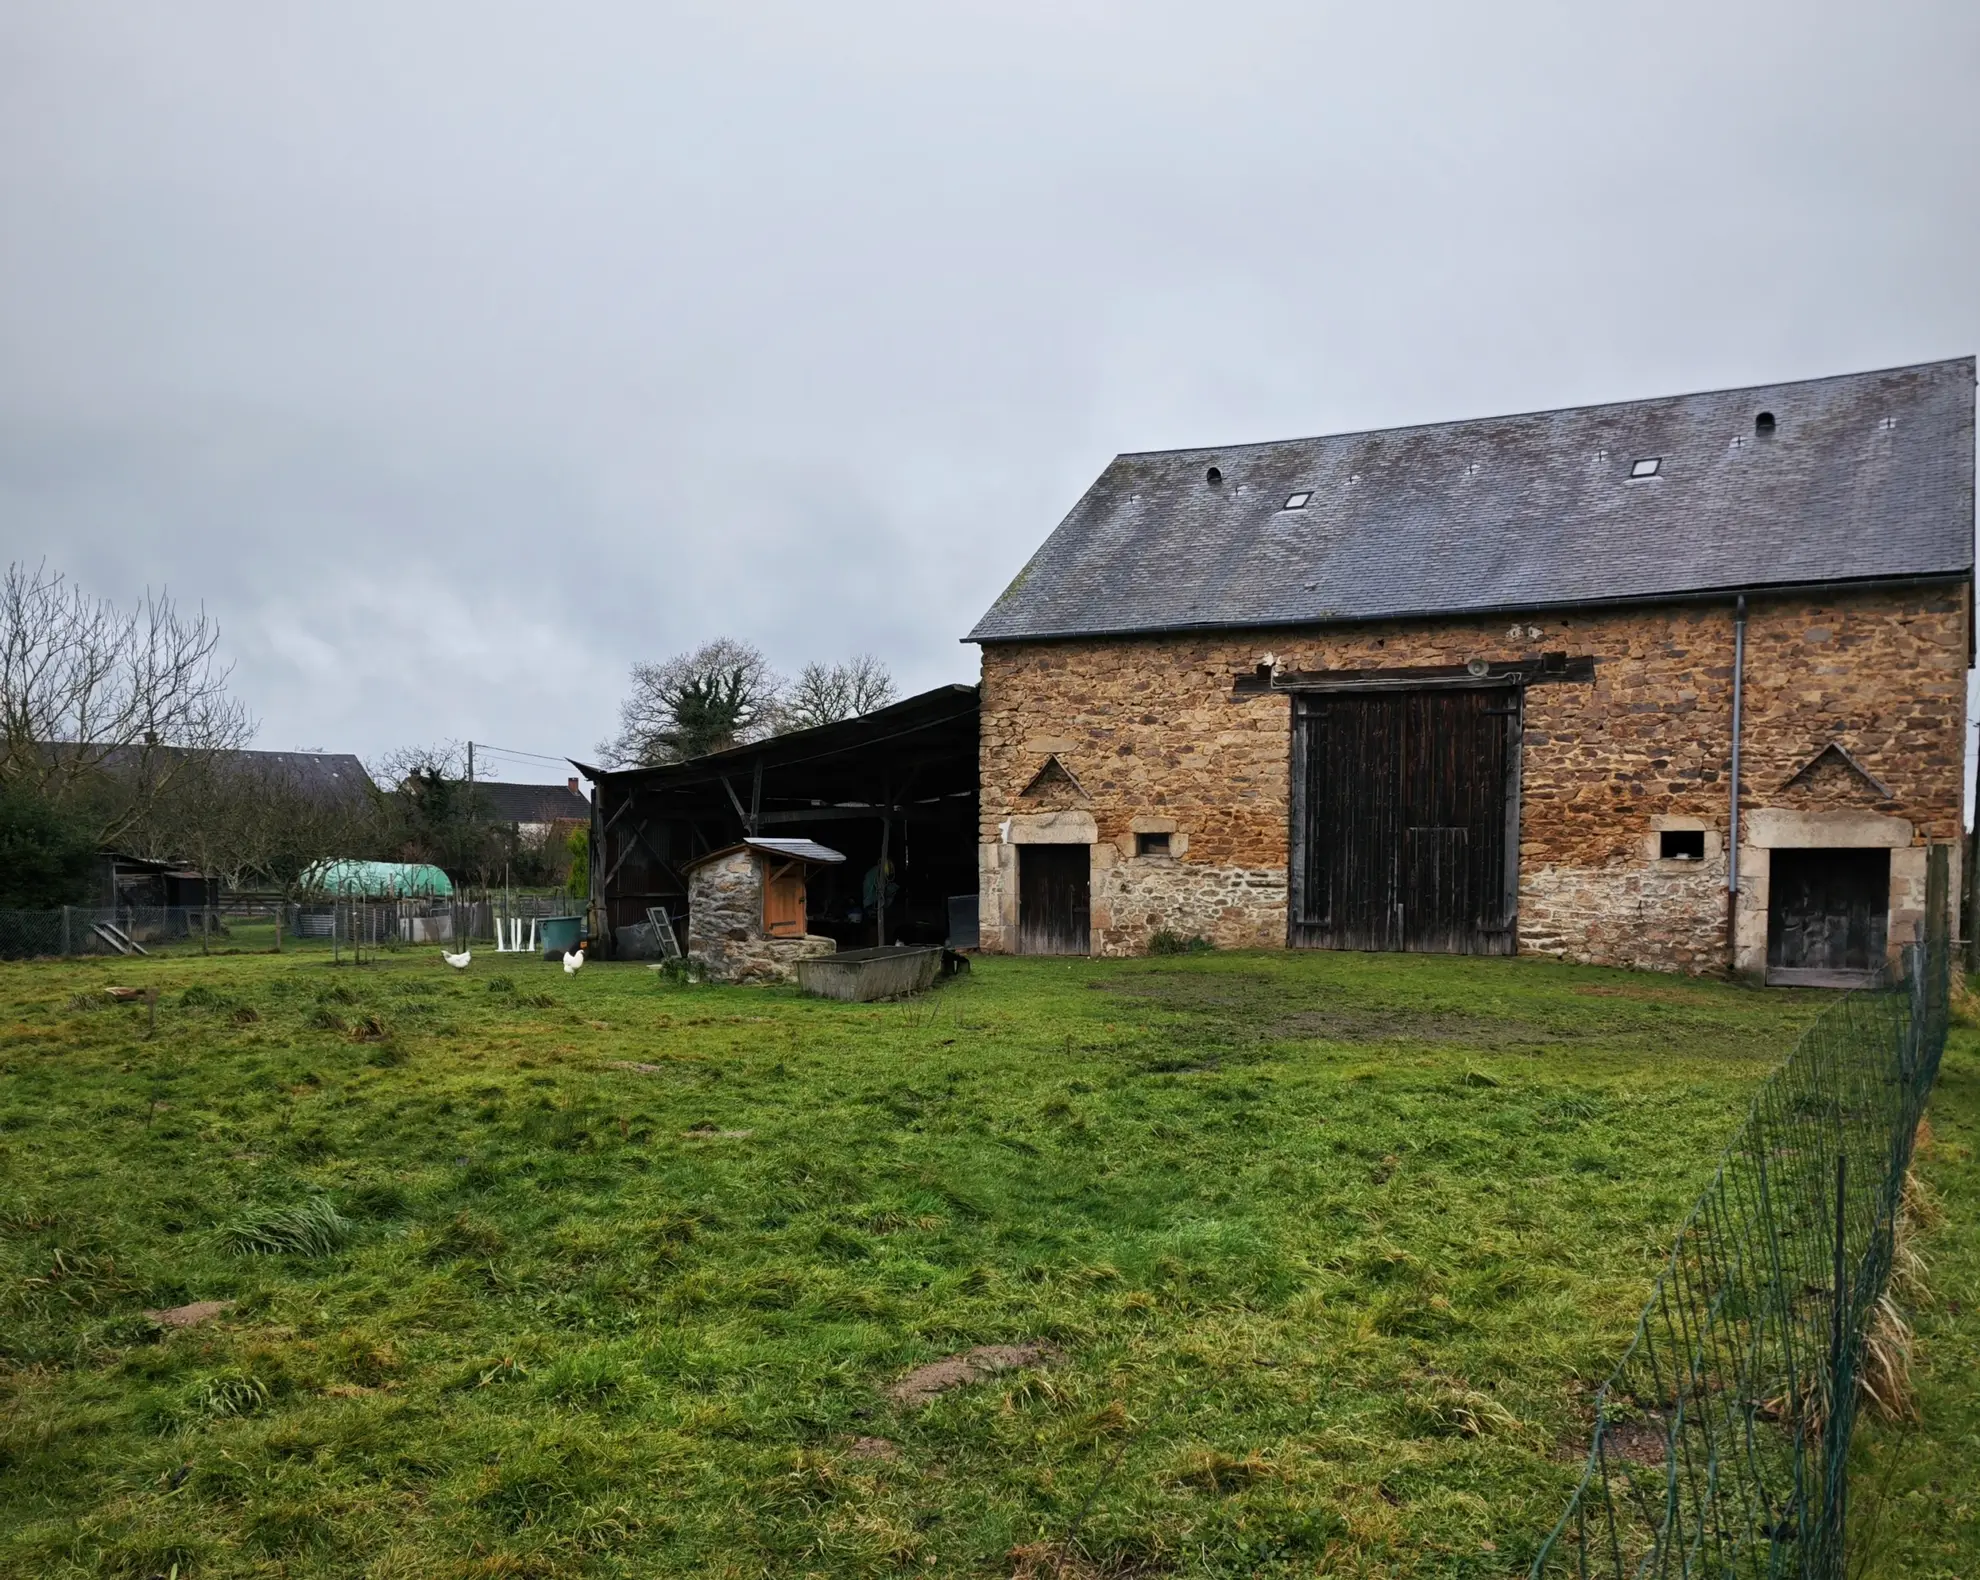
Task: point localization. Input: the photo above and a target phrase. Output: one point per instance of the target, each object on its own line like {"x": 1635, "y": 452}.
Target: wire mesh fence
{"x": 1720, "y": 1443}
{"x": 316, "y": 922}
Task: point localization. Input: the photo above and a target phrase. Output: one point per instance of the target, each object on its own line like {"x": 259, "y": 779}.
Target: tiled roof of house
{"x": 1857, "y": 478}
{"x": 507, "y": 803}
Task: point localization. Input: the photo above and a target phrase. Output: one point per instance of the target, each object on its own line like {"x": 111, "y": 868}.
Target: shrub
{"x": 47, "y": 855}
{"x": 1168, "y": 943}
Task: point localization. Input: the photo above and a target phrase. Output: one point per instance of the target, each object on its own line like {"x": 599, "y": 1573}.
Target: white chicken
{"x": 574, "y": 961}
{"x": 460, "y": 961}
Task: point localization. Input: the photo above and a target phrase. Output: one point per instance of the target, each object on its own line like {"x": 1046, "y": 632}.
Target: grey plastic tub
{"x": 860, "y": 975}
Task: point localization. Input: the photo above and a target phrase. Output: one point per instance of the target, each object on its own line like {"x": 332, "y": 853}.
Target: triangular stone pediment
{"x": 1053, "y": 773}
{"x": 1834, "y": 756}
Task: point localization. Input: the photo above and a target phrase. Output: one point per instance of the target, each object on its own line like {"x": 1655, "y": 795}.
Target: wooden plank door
{"x": 1828, "y": 915}
{"x": 1054, "y": 899}
{"x": 1405, "y": 831}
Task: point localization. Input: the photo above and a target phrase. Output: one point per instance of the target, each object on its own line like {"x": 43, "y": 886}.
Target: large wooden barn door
{"x": 1054, "y": 899}
{"x": 1405, "y": 820}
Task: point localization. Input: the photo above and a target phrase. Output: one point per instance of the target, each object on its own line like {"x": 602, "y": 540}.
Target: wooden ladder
{"x": 118, "y": 939}
{"x": 670, "y": 946}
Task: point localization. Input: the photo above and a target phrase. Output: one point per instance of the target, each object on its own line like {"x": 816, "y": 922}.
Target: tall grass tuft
{"x": 315, "y": 1228}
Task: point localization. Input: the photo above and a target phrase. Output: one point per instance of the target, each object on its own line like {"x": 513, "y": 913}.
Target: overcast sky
{"x": 459, "y": 355}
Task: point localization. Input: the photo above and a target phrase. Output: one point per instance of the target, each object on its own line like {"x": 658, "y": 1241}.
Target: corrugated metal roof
{"x": 1866, "y": 476}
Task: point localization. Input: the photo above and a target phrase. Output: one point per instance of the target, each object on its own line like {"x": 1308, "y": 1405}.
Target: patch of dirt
{"x": 190, "y": 1316}
{"x": 1645, "y": 1442}
{"x": 710, "y": 1133}
{"x": 636, "y": 1067}
{"x": 873, "y": 1448}
{"x": 957, "y": 1371}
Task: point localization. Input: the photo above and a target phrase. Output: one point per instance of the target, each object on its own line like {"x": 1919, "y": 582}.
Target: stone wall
{"x": 1151, "y": 737}
{"x": 725, "y": 925}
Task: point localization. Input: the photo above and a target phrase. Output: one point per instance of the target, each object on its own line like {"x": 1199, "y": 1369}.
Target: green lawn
{"x": 1328, "y": 1252}
{"x": 1915, "y": 1486}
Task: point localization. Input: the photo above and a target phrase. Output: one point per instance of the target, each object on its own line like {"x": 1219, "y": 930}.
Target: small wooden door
{"x": 1054, "y": 899}
{"x": 1828, "y": 914}
{"x": 783, "y": 899}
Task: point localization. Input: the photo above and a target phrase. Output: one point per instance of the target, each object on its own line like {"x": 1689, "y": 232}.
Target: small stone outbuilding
{"x": 1675, "y": 683}
{"x": 746, "y": 910}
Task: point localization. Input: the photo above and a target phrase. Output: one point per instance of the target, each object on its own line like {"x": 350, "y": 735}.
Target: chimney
{"x": 572, "y": 782}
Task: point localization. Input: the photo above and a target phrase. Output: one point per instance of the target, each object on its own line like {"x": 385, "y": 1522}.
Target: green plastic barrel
{"x": 559, "y": 933}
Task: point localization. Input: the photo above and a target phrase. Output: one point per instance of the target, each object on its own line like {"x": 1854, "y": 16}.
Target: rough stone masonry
{"x": 1153, "y": 740}
{"x": 725, "y": 924}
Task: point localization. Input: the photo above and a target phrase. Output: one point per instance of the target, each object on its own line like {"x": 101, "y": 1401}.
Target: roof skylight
{"x": 1297, "y": 501}
{"x": 1647, "y": 467}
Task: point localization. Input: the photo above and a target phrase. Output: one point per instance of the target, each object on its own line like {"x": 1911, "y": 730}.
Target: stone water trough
{"x": 861, "y": 975}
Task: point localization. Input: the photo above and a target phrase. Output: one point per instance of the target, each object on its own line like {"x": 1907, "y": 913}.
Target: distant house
{"x": 1676, "y": 683}
{"x": 534, "y": 811}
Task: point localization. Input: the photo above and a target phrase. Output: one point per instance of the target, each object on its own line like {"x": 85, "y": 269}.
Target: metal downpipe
{"x": 1732, "y": 821}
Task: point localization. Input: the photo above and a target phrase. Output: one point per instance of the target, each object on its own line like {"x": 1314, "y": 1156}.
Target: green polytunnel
{"x": 379, "y": 880}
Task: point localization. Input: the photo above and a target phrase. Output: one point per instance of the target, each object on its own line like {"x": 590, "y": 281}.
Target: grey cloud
{"x": 459, "y": 355}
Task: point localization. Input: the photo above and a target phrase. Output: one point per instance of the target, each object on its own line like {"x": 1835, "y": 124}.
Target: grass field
{"x": 1915, "y": 1485}
{"x": 535, "y": 1275}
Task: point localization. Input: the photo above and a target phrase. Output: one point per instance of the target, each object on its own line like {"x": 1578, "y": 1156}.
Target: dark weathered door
{"x": 1827, "y": 916}
{"x": 1405, "y": 820}
{"x": 1053, "y": 899}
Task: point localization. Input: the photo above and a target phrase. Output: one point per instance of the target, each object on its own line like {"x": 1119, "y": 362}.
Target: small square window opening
{"x": 1647, "y": 467}
{"x": 1681, "y": 844}
{"x": 1151, "y": 844}
{"x": 1297, "y": 501}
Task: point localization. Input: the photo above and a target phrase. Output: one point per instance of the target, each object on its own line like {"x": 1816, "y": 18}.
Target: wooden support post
{"x": 880, "y": 883}
{"x": 1970, "y": 913}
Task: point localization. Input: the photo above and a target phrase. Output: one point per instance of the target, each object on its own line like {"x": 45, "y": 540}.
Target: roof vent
{"x": 1297, "y": 501}
{"x": 1213, "y": 476}
{"x": 1647, "y": 467}
{"x": 1763, "y": 425}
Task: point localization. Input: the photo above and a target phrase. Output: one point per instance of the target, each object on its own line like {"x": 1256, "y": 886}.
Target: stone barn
{"x": 1673, "y": 683}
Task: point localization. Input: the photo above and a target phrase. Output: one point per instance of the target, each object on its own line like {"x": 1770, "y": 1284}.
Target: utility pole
{"x": 470, "y": 817}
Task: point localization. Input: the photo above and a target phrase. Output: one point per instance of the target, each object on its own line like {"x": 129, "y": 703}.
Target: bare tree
{"x": 250, "y": 820}
{"x": 722, "y": 694}
{"x": 97, "y": 704}
{"x": 434, "y": 813}
{"x": 826, "y": 693}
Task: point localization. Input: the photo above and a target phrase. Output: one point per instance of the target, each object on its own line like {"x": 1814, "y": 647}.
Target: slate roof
{"x": 329, "y": 775}
{"x": 1866, "y": 477}
{"x": 790, "y": 849}
{"x": 509, "y": 803}
{"x": 324, "y": 776}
